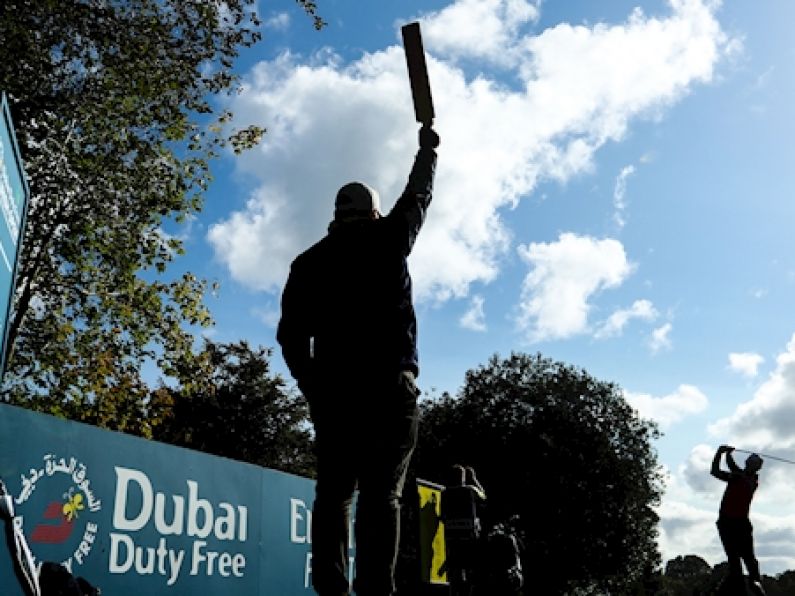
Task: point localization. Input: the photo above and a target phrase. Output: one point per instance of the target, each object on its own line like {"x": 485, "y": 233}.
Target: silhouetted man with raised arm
{"x": 348, "y": 333}
{"x": 734, "y": 527}
{"x": 461, "y": 500}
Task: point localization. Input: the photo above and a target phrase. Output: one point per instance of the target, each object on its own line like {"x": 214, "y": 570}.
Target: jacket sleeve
{"x": 293, "y": 333}
{"x": 409, "y": 211}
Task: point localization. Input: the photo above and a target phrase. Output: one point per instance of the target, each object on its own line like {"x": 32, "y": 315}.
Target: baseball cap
{"x": 356, "y": 198}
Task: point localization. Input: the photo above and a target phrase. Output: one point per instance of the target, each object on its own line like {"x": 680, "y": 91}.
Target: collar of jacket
{"x": 348, "y": 223}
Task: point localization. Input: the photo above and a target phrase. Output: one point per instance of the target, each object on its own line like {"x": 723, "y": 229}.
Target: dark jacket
{"x": 459, "y": 506}
{"x": 347, "y": 306}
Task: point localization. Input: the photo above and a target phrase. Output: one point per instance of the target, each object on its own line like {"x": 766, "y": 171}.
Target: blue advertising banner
{"x": 13, "y": 204}
{"x": 134, "y": 516}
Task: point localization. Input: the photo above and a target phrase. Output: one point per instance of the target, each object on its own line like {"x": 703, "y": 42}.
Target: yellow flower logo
{"x": 73, "y": 504}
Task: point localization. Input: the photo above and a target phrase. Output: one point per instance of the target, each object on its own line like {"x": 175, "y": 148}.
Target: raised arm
{"x": 472, "y": 481}
{"x": 716, "y": 471}
{"x": 408, "y": 214}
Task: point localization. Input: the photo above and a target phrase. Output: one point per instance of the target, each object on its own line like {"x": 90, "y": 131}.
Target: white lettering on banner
{"x": 123, "y": 478}
{"x": 137, "y": 503}
{"x": 231, "y": 521}
{"x": 228, "y": 521}
{"x": 242, "y": 524}
{"x": 208, "y": 558}
{"x": 297, "y": 506}
{"x": 194, "y": 504}
{"x": 84, "y": 548}
{"x": 176, "y": 522}
{"x": 308, "y": 570}
{"x": 135, "y": 555}
{"x": 80, "y": 503}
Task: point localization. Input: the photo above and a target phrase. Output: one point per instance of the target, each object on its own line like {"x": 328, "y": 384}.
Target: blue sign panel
{"x": 13, "y": 204}
{"x": 135, "y": 517}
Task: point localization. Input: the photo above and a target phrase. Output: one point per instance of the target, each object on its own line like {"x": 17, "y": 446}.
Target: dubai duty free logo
{"x": 58, "y": 508}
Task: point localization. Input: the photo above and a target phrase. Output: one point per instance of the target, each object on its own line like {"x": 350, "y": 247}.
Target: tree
{"x": 566, "y": 453}
{"x": 688, "y": 567}
{"x": 112, "y": 103}
{"x": 783, "y": 584}
{"x": 688, "y": 575}
{"x": 234, "y": 407}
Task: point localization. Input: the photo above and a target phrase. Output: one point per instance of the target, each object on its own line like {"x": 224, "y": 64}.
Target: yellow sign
{"x": 432, "y": 550}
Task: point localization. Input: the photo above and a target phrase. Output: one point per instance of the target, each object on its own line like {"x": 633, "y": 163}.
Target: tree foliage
{"x": 566, "y": 453}
{"x": 112, "y": 102}
{"x": 688, "y": 567}
{"x": 234, "y": 407}
{"x": 690, "y": 575}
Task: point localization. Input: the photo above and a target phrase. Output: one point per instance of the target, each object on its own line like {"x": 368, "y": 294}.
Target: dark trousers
{"x": 364, "y": 437}
{"x": 736, "y": 534}
{"x": 460, "y": 562}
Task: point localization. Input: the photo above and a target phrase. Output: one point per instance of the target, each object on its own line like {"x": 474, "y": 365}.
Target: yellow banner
{"x": 432, "y": 550}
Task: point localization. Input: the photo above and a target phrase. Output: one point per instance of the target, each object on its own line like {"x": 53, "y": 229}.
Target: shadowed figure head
{"x": 457, "y": 476}
{"x": 356, "y": 200}
{"x": 753, "y": 464}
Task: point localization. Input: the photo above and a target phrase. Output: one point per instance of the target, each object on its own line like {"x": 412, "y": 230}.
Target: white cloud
{"x": 763, "y": 80}
{"x": 269, "y": 315}
{"x": 329, "y": 122}
{"x": 486, "y": 29}
{"x": 474, "y": 318}
{"x": 279, "y": 21}
{"x": 695, "y": 471}
{"x": 615, "y": 323}
{"x": 647, "y": 158}
{"x": 745, "y": 363}
{"x": 686, "y": 530}
{"x": 226, "y": 18}
{"x": 619, "y": 192}
{"x": 660, "y": 339}
{"x": 765, "y": 422}
{"x": 671, "y": 408}
{"x": 564, "y": 276}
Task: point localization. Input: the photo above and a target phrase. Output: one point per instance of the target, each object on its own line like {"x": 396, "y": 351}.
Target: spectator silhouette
{"x": 460, "y": 504}
{"x": 348, "y": 333}
{"x": 503, "y": 575}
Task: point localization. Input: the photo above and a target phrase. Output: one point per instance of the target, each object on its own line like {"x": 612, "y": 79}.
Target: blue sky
{"x": 613, "y": 190}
